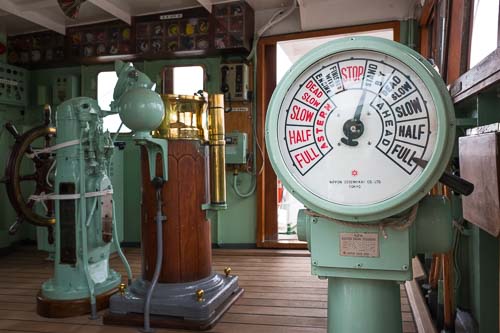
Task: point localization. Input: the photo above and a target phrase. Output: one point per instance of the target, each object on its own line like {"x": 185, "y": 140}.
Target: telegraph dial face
{"x": 350, "y": 127}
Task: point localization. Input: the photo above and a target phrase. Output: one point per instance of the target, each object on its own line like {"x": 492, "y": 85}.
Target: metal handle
{"x": 457, "y": 184}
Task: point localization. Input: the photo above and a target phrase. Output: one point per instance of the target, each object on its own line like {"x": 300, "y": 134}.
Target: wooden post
{"x": 434, "y": 271}
{"x": 449, "y": 317}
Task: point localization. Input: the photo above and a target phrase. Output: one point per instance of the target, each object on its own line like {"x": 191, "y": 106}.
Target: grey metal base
{"x": 177, "y": 299}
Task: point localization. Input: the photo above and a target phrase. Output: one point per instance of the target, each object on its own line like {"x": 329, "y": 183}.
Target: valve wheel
{"x": 43, "y": 164}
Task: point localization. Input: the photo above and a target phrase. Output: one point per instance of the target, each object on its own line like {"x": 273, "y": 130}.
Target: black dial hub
{"x": 353, "y": 129}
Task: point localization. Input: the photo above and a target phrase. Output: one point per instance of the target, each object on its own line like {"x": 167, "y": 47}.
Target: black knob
{"x": 158, "y": 182}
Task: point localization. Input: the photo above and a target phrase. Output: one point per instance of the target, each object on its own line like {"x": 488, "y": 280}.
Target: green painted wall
{"x": 409, "y": 34}
{"x": 236, "y": 225}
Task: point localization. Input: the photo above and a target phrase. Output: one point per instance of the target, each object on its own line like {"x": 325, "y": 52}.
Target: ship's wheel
{"x": 30, "y": 172}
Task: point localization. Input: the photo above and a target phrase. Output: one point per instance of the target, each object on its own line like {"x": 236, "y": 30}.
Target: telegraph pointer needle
{"x": 354, "y": 128}
{"x": 359, "y": 108}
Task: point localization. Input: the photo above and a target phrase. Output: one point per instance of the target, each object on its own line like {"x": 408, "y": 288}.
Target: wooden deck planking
{"x": 280, "y": 294}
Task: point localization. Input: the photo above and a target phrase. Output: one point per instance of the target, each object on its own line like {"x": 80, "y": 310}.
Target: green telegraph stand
{"x": 360, "y": 130}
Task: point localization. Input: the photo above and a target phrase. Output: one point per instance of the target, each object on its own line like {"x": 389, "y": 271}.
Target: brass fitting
{"x": 122, "y": 289}
{"x": 227, "y": 271}
{"x": 199, "y": 295}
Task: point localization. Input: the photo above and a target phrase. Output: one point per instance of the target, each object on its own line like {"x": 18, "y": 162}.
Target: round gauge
{"x": 360, "y": 128}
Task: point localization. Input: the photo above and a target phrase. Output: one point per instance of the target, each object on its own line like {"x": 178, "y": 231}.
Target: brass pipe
{"x": 435, "y": 190}
{"x": 217, "y": 143}
{"x": 447, "y": 192}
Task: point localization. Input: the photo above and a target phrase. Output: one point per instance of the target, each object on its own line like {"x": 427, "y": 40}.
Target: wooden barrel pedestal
{"x": 187, "y": 251}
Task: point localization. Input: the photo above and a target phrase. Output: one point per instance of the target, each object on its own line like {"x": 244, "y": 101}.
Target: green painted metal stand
{"x": 364, "y": 306}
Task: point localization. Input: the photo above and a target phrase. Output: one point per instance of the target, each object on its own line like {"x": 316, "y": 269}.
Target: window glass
{"x": 188, "y": 79}
{"x": 484, "y": 30}
{"x": 106, "y": 82}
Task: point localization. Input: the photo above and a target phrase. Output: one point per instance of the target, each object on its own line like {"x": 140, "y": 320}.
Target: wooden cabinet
{"x": 41, "y": 48}
{"x": 479, "y": 164}
{"x": 99, "y": 40}
{"x": 186, "y": 33}
{"x": 234, "y": 26}
{"x": 164, "y": 35}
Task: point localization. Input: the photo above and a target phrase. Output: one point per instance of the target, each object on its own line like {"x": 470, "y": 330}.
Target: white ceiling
{"x": 23, "y": 16}
{"x": 321, "y": 14}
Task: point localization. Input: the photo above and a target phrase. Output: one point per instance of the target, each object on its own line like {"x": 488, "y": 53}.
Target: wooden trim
{"x": 448, "y": 291}
{"x": 260, "y": 122}
{"x": 427, "y": 12}
{"x": 395, "y": 25}
{"x": 277, "y": 244}
{"x": 436, "y": 269}
{"x": 458, "y": 44}
{"x": 482, "y": 76}
{"x": 262, "y": 252}
{"x": 423, "y": 319}
{"x": 424, "y": 41}
{"x": 267, "y": 229}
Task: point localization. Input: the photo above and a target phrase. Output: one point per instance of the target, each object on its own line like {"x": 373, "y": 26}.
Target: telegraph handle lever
{"x": 457, "y": 184}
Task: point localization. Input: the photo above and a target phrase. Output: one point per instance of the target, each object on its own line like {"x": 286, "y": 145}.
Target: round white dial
{"x": 352, "y": 125}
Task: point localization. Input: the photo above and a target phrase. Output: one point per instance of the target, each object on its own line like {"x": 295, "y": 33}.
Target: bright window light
{"x": 188, "y": 79}
{"x": 106, "y": 82}
{"x": 484, "y": 30}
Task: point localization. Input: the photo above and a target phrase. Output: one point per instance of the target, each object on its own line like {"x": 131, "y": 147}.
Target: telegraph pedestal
{"x": 360, "y": 130}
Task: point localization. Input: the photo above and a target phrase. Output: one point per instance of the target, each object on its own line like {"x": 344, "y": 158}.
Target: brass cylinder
{"x": 217, "y": 143}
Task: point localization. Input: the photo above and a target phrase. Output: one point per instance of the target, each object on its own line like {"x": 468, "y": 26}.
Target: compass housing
{"x": 418, "y": 187}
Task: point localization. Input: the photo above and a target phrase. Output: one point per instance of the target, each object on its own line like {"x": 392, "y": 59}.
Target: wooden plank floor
{"x": 280, "y": 296}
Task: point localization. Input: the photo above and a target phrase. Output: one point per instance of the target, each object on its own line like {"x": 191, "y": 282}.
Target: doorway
{"x": 277, "y": 208}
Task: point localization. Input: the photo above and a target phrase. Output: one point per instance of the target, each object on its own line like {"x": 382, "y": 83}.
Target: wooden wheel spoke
{"x": 28, "y": 177}
{"x": 47, "y": 141}
{"x": 50, "y": 208}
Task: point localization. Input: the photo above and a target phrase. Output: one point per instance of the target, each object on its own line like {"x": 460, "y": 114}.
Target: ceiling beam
{"x": 207, "y": 4}
{"x": 43, "y": 20}
{"x": 117, "y": 11}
